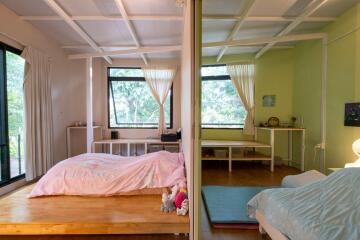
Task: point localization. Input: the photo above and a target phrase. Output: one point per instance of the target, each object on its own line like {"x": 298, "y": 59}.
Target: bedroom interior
{"x": 291, "y": 66}
{"x": 179, "y": 119}
{"x": 105, "y": 123}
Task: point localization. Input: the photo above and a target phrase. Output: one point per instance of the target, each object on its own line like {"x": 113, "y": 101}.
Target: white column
{"x": 272, "y": 143}
{"x": 323, "y": 102}
{"x": 89, "y": 105}
{"x": 230, "y": 159}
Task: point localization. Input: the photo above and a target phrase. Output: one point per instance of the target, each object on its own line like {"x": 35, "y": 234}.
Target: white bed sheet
{"x": 325, "y": 210}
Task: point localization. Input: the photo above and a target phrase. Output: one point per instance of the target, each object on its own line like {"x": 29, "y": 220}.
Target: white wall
{"x": 68, "y": 89}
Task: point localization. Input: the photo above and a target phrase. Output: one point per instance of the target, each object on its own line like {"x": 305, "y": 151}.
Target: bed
{"x": 98, "y": 174}
{"x": 70, "y": 200}
{"x": 327, "y": 209}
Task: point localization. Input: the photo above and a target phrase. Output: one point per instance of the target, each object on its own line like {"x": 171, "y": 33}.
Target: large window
{"x": 131, "y": 104}
{"x": 11, "y": 114}
{"x": 220, "y": 104}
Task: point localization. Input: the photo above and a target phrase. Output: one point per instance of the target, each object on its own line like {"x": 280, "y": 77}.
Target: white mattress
{"x": 325, "y": 210}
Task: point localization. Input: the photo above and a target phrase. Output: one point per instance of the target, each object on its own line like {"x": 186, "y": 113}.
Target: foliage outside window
{"x": 12, "y": 119}
{"x": 220, "y": 103}
{"x": 131, "y": 104}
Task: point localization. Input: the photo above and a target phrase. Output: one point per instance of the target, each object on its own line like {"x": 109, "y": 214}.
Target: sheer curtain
{"x": 159, "y": 81}
{"x": 38, "y": 114}
{"x": 242, "y": 77}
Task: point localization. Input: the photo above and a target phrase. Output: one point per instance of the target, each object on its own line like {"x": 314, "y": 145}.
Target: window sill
{"x": 12, "y": 180}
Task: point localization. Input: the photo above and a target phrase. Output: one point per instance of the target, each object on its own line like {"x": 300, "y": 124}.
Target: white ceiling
{"x": 218, "y": 30}
{"x": 113, "y": 35}
{"x": 105, "y": 32}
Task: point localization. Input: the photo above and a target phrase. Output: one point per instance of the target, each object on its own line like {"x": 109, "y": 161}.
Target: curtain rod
{"x": 13, "y": 39}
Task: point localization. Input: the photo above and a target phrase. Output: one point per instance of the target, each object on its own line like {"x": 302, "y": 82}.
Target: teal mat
{"x": 228, "y": 205}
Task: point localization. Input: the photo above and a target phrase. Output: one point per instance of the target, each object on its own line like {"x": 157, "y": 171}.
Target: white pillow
{"x": 302, "y": 179}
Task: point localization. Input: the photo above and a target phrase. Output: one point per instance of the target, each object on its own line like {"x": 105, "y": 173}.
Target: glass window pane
{"x": 213, "y": 71}
{"x": 133, "y": 106}
{"x": 126, "y": 72}
{"x": 221, "y": 106}
{"x": 15, "y": 101}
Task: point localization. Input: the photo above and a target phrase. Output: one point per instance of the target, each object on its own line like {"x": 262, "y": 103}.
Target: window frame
{"x": 5, "y": 167}
{"x": 218, "y": 78}
{"x": 110, "y": 79}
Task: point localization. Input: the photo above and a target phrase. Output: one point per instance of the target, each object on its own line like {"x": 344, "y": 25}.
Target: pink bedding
{"x": 98, "y": 174}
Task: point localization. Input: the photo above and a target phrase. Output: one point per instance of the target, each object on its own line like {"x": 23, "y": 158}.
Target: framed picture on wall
{"x": 269, "y": 100}
{"x": 352, "y": 114}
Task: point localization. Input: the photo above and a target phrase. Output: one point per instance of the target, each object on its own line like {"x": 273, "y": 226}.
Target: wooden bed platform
{"x": 86, "y": 215}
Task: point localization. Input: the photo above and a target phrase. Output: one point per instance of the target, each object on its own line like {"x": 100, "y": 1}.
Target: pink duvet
{"x": 100, "y": 174}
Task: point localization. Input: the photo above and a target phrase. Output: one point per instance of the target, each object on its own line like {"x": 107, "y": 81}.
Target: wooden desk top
{"x": 281, "y": 128}
{"x": 134, "y": 140}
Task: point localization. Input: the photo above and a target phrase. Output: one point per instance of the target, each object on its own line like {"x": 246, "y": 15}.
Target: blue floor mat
{"x": 228, "y": 205}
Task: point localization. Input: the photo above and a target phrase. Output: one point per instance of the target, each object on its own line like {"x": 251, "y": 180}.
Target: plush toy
{"x": 184, "y": 208}
{"x": 167, "y": 203}
{"x": 168, "y": 200}
{"x": 180, "y": 197}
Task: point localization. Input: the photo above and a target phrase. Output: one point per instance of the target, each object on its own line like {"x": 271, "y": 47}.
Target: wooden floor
{"x": 243, "y": 174}
{"x": 87, "y": 215}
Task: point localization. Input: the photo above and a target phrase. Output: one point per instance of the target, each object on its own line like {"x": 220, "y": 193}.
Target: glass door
{"x": 12, "y": 137}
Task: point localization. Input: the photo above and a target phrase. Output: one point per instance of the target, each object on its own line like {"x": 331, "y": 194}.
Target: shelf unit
{"x": 129, "y": 142}
{"x": 230, "y": 145}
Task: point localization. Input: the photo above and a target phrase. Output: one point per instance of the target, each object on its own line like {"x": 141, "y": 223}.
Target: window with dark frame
{"x": 12, "y": 135}
{"x": 220, "y": 103}
{"x": 130, "y": 101}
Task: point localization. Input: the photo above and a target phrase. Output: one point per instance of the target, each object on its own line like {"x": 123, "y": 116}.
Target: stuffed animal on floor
{"x": 169, "y": 200}
{"x": 167, "y": 203}
{"x": 184, "y": 208}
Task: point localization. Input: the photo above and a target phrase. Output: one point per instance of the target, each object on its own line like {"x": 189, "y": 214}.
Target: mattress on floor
{"x": 324, "y": 210}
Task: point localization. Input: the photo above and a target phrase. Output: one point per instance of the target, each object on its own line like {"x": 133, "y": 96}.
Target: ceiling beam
{"x": 105, "y": 18}
{"x": 311, "y": 8}
{"x": 56, "y": 8}
{"x": 177, "y": 18}
{"x": 265, "y": 40}
{"x": 265, "y": 18}
{"x": 237, "y": 27}
{"x": 122, "y": 10}
{"x": 124, "y": 47}
{"x": 100, "y": 46}
{"x": 140, "y": 50}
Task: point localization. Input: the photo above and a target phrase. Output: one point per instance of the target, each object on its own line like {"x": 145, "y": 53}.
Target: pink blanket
{"x": 101, "y": 174}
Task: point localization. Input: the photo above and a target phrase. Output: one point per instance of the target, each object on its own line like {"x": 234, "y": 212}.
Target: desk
{"x": 238, "y": 144}
{"x": 290, "y": 142}
{"x": 128, "y": 142}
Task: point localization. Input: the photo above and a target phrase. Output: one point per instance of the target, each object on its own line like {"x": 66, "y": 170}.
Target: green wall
{"x": 342, "y": 86}
{"x": 274, "y": 75}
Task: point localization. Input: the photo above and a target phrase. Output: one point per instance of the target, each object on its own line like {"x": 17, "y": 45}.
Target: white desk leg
{"x": 290, "y": 148}
{"x": 230, "y": 158}
{"x": 111, "y": 152}
{"x": 128, "y": 149}
{"x": 303, "y": 150}
{"x": 68, "y": 142}
{"x": 145, "y": 148}
{"x": 272, "y": 143}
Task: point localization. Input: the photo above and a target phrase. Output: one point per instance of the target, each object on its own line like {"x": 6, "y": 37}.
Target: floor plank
{"x": 243, "y": 174}
{"x": 86, "y": 215}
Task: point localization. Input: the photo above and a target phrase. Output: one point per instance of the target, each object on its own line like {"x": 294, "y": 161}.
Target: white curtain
{"x": 38, "y": 114}
{"x": 159, "y": 81}
{"x": 242, "y": 77}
